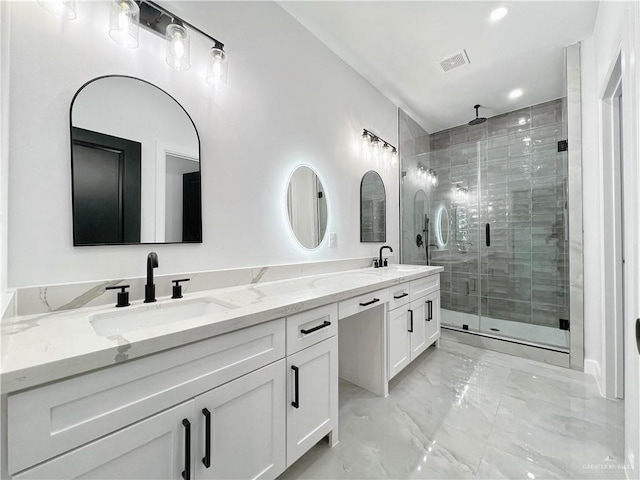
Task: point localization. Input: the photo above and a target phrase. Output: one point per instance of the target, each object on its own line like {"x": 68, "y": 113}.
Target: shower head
{"x": 477, "y": 120}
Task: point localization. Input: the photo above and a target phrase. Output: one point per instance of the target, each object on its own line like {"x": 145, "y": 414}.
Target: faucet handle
{"x": 177, "y": 288}
{"x": 123, "y": 295}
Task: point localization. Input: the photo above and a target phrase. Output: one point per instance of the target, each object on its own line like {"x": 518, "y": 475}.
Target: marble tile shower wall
{"x": 517, "y": 182}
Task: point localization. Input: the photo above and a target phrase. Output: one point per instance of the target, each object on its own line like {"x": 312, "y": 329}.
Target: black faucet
{"x": 150, "y": 288}
{"x": 382, "y": 248}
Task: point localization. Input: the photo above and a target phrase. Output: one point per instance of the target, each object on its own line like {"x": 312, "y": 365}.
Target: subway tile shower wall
{"x": 517, "y": 182}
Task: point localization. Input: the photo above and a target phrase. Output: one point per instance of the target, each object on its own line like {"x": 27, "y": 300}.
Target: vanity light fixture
{"x": 65, "y": 9}
{"x": 177, "y": 47}
{"x": 461, "y": 194}
{"x": 124, "y": 22}
{"x": 127, "y": 15}
{"x": 379, "y": 148}
{"x": 428, "y": 173}
{"x": 499, "y": 13}
{"x": 218, "y": 66}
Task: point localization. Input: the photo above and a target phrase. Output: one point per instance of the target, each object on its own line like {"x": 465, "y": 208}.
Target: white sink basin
{"x": 153, "y": 315}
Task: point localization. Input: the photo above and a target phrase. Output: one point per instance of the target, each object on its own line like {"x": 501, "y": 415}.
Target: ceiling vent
{"x": 458, "y": 59}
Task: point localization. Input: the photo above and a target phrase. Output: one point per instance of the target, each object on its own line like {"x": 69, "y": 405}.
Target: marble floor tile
{"x": 463, "y": 412}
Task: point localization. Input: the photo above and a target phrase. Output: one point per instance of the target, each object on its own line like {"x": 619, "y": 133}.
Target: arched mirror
{"x": 373, "y": 208}
{"x": 307, "y": 207}
{"x": 135, "y": 162}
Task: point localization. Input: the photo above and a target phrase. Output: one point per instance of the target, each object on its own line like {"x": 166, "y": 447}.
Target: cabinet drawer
{"x": 398, "y": 295}
{"x": 346, "y": 308}
{"x": 56, "y": 418}
{"x": 425, "y": 286}
{"x": 308, "y": 328}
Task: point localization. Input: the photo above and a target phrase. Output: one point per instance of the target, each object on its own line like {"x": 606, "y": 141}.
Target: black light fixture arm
{"x": 373, "y": 137}
{"x": 146, "y": 11}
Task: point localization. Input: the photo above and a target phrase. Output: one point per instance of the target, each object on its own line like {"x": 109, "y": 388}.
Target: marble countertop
{"x": 46, "y": 347}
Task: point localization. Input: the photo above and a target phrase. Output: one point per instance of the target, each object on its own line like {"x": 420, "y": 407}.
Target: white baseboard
{"x": 593, "y": 367}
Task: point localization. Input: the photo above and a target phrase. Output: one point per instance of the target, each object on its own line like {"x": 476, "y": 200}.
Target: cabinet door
{"x": 418, "y": 339}
{"x": 399, "y": 339}
{"x": 244, "y": 423}
{"x": 433, "y": 325}
{"x": 312, "y": 396}
{"x": 154, "y": 448}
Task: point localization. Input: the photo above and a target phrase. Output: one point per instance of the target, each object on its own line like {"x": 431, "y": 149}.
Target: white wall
{"x": 4, "y": 141}
{"x": 289, "y": 100}
{"x": 616, "y": 31}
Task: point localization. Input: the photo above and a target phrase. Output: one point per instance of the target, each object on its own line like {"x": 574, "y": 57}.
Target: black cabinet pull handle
{"x": 429, "y": 310}
{"x": 186, "y": 474}
{"x": 207, "y": 437}
{"x": 326, "y": 323}
{"x": 638, "y": 335}
{"x": 487, "y": 232}
{"x": 296, "y": 387}
{"x": 401, "y": 296}
{"x": 411, "y": 320}
{"x": 370, "y": 303}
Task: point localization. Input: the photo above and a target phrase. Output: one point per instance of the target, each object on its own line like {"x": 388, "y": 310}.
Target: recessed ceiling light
{"x": 499, "y": 13}
{"x": 515, "y": 93}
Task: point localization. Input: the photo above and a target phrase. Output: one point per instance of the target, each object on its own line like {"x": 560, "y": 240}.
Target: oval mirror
{"x": 135, "y": 163}
{"x": 307, "y": 207}
{"x": 442, "y": 226}
{"x": 373, "y": 208}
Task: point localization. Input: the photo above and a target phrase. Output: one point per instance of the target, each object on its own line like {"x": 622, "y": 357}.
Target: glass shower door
{"x": 454, "y": 234}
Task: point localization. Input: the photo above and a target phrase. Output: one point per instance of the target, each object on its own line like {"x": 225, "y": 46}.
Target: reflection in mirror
{"x": 307, "y": 207}
{"x": 135, "y": 162}
{"x": 442, "y": 227}
{"x": 373, "y": 208}
{"x": 421, "y": 219}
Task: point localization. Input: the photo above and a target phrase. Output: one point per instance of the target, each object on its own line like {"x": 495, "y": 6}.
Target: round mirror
{"x": 135, "y": 163}
{"x": 442, "y": 226}
{"x": 307, "y": 207}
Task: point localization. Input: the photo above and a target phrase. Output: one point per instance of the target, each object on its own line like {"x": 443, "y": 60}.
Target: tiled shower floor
{"x": 463, "y": 412}
{"x": 538, "y": 334}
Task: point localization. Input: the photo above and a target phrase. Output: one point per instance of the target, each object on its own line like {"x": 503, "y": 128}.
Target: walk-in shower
{"x": 496, "y": 220}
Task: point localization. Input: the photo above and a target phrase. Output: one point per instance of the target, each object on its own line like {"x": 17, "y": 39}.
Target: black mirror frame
{"x": 75, "y": 96}
{"x": 384, "y": 189}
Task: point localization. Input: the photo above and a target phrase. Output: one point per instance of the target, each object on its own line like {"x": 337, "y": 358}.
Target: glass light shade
{"x": 386, "y": 152}
{"x": 217, "y": 68}
{"x": 376, "y": 147}
{"x": 65, "y": 9}
{"x": 124, "y": 22}
{"x": 365, "y": 144}
{"x": 178, "y": 47}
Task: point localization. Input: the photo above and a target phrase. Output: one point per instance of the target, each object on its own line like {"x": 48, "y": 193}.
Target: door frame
{"x": 613, "y": 224}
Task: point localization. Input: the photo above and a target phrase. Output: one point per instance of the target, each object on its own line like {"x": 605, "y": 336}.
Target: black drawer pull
{"x": 370, "y": 303}
{"x": 430, "y": 310}
{"x": 487, "y": 234}
{"x": 411, "y": 320}
{"x": 326, "y": 323}
{"x": 296, "y": 402}
{"x": 186, "y": 474}
{"x": 207, "y": 437}
{"x": 401, "y": 296}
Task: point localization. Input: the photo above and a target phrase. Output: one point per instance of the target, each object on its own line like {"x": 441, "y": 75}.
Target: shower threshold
{"x": 538, "y": 336}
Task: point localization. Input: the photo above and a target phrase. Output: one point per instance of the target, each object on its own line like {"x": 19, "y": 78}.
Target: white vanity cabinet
{"x": 414, "y": 322}
{"x": 154, "y": 448}
{"x": 312, "y": 380}
{"x": 77, "y": 417}
{"x": 241, "y": 427}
